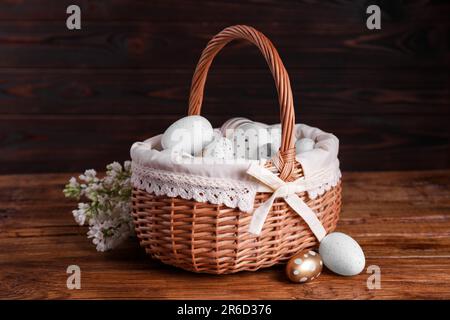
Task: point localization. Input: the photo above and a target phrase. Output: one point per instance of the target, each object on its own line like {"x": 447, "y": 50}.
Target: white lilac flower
{"x": 109, "y": 181}
{"x": 73, "y": 189}
{"x": 96, "y": 233}
{"x": 91, "y": 192}
{"x": 109, "y": 233}
{"x": 73, "y": 183}
{"x": 102, "y": 199}
{"x": 109, "y": 204}
{"x": 89, "y": 176}
{"x": 115, "y": 166}
{"x": 113, "y": 170}
{"x": 80, "y": 214}
{"x": 126, "y": 182}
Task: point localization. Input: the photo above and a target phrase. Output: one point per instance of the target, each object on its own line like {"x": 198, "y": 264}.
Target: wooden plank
{"x": 73, "y": 143}
{"x": 401, "y": 219}
{"x": 337, "y": 67}
{"x": 230, "y": 11}
{"x": 359, "y": 92}
{"x": 151, "y": 280}
{"x": 135, "y": 44}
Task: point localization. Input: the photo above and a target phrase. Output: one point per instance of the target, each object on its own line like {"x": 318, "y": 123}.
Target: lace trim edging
{"x": 233, "y": 194}
{"x": 333, "y": 182}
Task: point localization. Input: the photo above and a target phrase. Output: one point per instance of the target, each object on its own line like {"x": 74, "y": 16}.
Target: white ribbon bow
{"x": 286, "y": 190}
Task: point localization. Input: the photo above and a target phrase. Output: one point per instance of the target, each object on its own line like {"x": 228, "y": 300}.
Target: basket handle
{"x": 286, "y": 154}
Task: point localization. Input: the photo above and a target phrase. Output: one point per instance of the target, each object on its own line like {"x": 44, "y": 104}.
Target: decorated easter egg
{"x": 266, "y": 151}
{"x": 231, "y": 124}
{"x": 247, "y": 138}
{"x": 275, "y": 137}
{"x": 304, "y": 145}
{"x": 342, "y": 254}
{"x": 304, "y": 266}
{"x": 219, "y": 148}
{"x": 189, "y": 134}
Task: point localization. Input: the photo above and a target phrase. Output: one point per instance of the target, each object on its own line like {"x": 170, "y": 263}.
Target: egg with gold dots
{"x": 305, "y": 266}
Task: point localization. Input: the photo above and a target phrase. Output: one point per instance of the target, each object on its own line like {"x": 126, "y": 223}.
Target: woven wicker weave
{"x": 204, "y": 237}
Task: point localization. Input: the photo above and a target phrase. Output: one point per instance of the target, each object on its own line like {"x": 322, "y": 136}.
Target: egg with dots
{"x": 248, "y": 138}
{"x": 305, "y": 266}
{"x": 230, "y": 125}
{"x": 220, "y": 148}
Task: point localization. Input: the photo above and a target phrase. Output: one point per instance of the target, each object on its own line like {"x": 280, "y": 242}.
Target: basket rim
{"x": 231, "y": 184}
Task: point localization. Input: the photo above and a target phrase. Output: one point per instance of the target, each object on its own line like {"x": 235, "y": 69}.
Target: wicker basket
{"x": 213, "y": 238}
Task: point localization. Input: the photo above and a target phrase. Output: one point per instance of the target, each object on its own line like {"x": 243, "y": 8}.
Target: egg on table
{"x": 342, "y": 254}
{"x": 304, "y": 266}
{"x": 189, "y": 134}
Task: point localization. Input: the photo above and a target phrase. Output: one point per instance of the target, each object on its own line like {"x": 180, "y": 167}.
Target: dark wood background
{"x": 71, "y": 100}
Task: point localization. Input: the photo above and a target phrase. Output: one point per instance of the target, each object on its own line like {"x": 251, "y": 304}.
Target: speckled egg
{"x": 248, "y": 138}
{"x": 342, "y": 254}
{"x": 275, "y": 137}
{"x": 304, "y": 266}
{"x": 219, "y": 148}
{"x": 265, "y": 151}
{"x": 189, "y": 134}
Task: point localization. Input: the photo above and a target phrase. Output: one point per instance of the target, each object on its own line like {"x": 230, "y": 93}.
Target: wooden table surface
{"x": 401, "y": 220}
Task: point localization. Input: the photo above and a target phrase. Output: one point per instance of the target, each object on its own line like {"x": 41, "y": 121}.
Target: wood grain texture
{"x": 147, "y": 45}
{"x": 223, "y": 10}
{"x": 126, "y": 75}
{"x": 401, "y": 219}
{"x": 352, "y": 92}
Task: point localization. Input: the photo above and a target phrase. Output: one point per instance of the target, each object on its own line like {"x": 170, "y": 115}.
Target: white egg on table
{"x": 219, "y": 148}
{"x": 342, "y": 254}
{"x": 304, "y": 145}
{"x": 189, "y": 134}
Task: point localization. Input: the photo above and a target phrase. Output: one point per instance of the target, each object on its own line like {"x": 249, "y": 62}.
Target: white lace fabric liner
{"x": 228, "y": 182}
